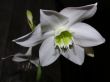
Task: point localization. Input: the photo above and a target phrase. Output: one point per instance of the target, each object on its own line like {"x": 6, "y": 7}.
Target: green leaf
{"x": 39, "y": 72}
{"x": 30, "y": 19}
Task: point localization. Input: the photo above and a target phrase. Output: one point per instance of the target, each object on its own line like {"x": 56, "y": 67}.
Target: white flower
{"x": 63, "y": 33}
{"x": 20, "y": 57}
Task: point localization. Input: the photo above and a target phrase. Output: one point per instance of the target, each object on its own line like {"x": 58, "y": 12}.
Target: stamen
{"x": 63, "y": 41}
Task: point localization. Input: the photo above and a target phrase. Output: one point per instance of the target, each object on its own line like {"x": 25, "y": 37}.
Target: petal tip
{"x": 96, "y": 4}
{"x": 92, "y": 5}
{"x": 103, "y": 40}
{"x": 80, "y": 63}
{"x": 91, "y": 55}
{"x": 41, "y": 10}
{"x": 14, "y": 40}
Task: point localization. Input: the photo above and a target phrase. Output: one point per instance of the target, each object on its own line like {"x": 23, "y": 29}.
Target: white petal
{"x": 18, "y": 58}
{"x": 76, "y": 55}
{"x": 50, "y": 20}
{"x": 29, "y": 52}
{"x": 79, "y": 13}
{"x": 47, "y": 52}
{"x": 30, "y": 39}
{"x": 35, "y": 62}
{"x": 86, "y": 36}
{"x": 47, "y": 34}
{"x": 89, "y": 52}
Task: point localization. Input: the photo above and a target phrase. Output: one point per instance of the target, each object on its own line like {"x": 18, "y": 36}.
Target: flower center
{"x": 64, "y": 40}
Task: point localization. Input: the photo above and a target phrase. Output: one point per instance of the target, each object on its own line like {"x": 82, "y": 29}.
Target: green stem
{"x": 39, "y": 72}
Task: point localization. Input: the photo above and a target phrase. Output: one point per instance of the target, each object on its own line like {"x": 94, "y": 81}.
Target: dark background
{"x": 13, "y": 24}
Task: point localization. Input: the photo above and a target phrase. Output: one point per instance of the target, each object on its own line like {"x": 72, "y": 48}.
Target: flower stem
{"x": 39, "y": 72}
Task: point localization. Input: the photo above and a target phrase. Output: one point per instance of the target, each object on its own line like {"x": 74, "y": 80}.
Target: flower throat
{"x": 64, "y": 40}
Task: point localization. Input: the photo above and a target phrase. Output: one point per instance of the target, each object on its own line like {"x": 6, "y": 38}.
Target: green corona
{"x": 64, "y": 39}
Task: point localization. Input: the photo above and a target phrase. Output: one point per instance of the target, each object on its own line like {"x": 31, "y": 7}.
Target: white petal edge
{"x": 76, "y": 55}
{"x": 47, "y": 53}
{"x": 76, "y": 14}
{"x": 30, "y": 39}
{"x": 85, "y": 35}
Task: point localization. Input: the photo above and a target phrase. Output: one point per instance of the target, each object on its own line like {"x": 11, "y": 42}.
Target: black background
{"x": 13, "y": 24}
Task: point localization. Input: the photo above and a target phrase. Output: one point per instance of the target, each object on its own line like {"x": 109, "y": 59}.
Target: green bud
{"x": 30, "y": 19}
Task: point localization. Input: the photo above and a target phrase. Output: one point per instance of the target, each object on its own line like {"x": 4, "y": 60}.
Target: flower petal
{"x": 29, "y": 52}
{"x": 30, "y": 39}
{"x": 86, "y": 36}
{"x": 47, "y": 34}
{"x": 18, "y": 57}
{"x": 89, "y": 52}
{"x": 76, "y": 55}
{"x": 50, "y": 20}
{"x": 47, "y": 53}
{"x": 79, "y": 13}
{"x": 35, "y": 62}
